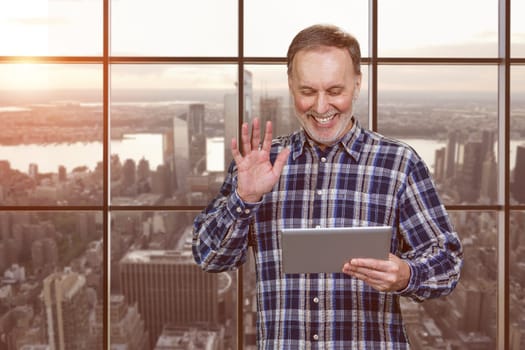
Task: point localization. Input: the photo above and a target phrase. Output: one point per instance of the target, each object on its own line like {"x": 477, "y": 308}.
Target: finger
{"x": 245, "y": 139}
{"x": 267, "y": 142}
{"x": 235, "y": 151}
{"x": 256, "y": 134}
{"x": 280, "y": 161}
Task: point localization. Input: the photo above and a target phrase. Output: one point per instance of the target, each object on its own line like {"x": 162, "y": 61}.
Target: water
{"x": 71, "y": 155}
{"x": 149, "y": 146}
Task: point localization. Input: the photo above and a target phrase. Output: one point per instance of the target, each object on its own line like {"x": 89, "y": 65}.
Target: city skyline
{"x": 87, "y": 266}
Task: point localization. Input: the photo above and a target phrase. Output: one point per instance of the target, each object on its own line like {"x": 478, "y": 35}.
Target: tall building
{"x": 127, "y": 326}
{"x": 66, "y": 310}
{"x": 470, "y": 172}
{"x": 182, "y": 153}
{"x": 197, "y": 138}
{"x": 231, "y": 112}
{"x": 170, "y": 289}
{"x": 62, "y": 173}
{"x": 518, "y": 185}
{"x": 248, "y": 96}
{"x": 439, "y": 165}
{"x": 230, "y": 125}
{"x": 451, "y": 157}
{"x": 33, "y": 170}
{"x": 184, "y": 338}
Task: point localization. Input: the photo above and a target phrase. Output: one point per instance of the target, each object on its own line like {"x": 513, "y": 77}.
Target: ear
{"x": 357, "y": 87}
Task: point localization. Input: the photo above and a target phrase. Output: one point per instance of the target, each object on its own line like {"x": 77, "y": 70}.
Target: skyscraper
{"x": 170, "y": 288}
{"x": 518, "y": 185}
{"x": 66, "y": 311}
{"x": 197, "y": 138}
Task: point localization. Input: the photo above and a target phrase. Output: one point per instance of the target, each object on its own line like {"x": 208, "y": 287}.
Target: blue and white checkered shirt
{"x": 365, "y": 179}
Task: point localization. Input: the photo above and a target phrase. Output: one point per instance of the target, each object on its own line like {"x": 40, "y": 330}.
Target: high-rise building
{"x": 183, "y": 338}
{"x": 439, "y": 165}
{"x": 470, "y": 172}
{"x": 518, "y": 184}
{"x": 33, "y": 170}
{"x": 169, "y": 288}
{"x": 62, "y": 173}
{"x": 66, "y": 310}
{"x": 197, "y": 138}
{"x": 182, "y": 153}
{"x": 231, "y": 112}
{"x": 451, "y": 157}
{"x": 127, "y": 325}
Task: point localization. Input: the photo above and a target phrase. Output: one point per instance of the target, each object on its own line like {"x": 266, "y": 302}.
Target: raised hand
{"x": 256, "y": 174}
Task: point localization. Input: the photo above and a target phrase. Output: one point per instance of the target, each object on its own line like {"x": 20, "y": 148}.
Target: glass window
{"x": 52, "y": 282}
{"x": 517, "y": 136}
{"x": 173, "y": 28}
{"x": 51, "y": 28}
{"x": 517, "y": 28}
{"x": 270, "y": 25}
{"x": 51, "y": 139}
{"x": 466, "y": 318}
{"x": 158, "y": 294}
{"x": 168, "y": 132}
{"x": 412, "y": 28}
{"x": 449, "y": 115}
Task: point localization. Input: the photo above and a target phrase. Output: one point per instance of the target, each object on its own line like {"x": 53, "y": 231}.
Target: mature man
{"x": 331, "y": 173}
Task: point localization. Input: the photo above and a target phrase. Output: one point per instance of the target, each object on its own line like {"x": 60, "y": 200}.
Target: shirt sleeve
{"x": 220, "y": 231}
{"x": 432, "y": 247}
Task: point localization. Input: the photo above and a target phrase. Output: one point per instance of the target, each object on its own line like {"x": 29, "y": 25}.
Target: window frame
{"x": 504, "y": 62}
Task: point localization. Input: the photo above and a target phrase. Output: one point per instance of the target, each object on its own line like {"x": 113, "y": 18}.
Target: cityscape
{"x": 171, "y": 148}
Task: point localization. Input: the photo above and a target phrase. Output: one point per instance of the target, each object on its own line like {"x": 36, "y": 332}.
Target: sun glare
{"x": 25, "y": 29}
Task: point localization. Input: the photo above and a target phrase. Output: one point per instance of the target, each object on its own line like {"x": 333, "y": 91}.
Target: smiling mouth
{"x": 323, "y": 119}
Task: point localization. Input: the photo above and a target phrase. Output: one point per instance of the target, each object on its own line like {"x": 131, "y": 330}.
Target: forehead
{"x": 322, "y": 63}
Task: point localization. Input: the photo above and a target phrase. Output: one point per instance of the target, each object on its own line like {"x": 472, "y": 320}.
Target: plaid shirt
{"x": 365, "y": 179}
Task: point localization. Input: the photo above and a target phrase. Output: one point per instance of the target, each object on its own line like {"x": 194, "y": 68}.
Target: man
{"x": 330, "y": 173}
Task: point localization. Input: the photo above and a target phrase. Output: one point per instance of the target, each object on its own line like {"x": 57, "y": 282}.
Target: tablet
{"x": 313, "y": 250}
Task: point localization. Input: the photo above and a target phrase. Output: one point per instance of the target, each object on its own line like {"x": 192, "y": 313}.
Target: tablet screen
{"x": 315, "y": 250}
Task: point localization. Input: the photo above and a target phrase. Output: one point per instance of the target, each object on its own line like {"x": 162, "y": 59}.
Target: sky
{"x": 446, "y": 28}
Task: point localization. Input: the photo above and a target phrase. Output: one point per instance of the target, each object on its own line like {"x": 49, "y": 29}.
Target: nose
{"x": 321, "y": 104}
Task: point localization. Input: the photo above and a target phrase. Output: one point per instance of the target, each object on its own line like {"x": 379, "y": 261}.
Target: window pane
{"x": 50, "y": 140}
{"x": 449, "y": 115}
{"x": 168, "y": 132}
{"x": 270, "y": 25}
{"x": 449, "y": 28}
{"x": 174, "y": 28}
{"x": 518, "y": 28}
{"x": 51, "y": 28}
{"x": 270, "y": 98}
{"x": 517, "y": 136}
{"x": 157, "y": 285}
{"x": 467, "y": 318}
{"x": 52, "y": 285}
{"x": 517, "y": 280}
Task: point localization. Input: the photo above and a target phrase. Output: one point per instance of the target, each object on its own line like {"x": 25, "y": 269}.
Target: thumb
{"x": 280, "y": 161}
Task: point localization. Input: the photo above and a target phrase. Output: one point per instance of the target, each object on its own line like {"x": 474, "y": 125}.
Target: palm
{"x": 256, "y": 174}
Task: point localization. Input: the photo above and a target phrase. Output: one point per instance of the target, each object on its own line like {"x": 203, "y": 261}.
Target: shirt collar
{"x": 351, "y": 142}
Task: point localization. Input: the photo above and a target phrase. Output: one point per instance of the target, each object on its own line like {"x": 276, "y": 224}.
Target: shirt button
{"x": 316, "y": 300}
{"x": 319, "y": 192}
{"x": 246, "y": 211}
{"x": 316, "y": 337}
{"x": 323, "y": 159}
{"x": 239, "y": 210}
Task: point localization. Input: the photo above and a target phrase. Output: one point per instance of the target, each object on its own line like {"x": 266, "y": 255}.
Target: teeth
{"x": 324, "y": 120}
